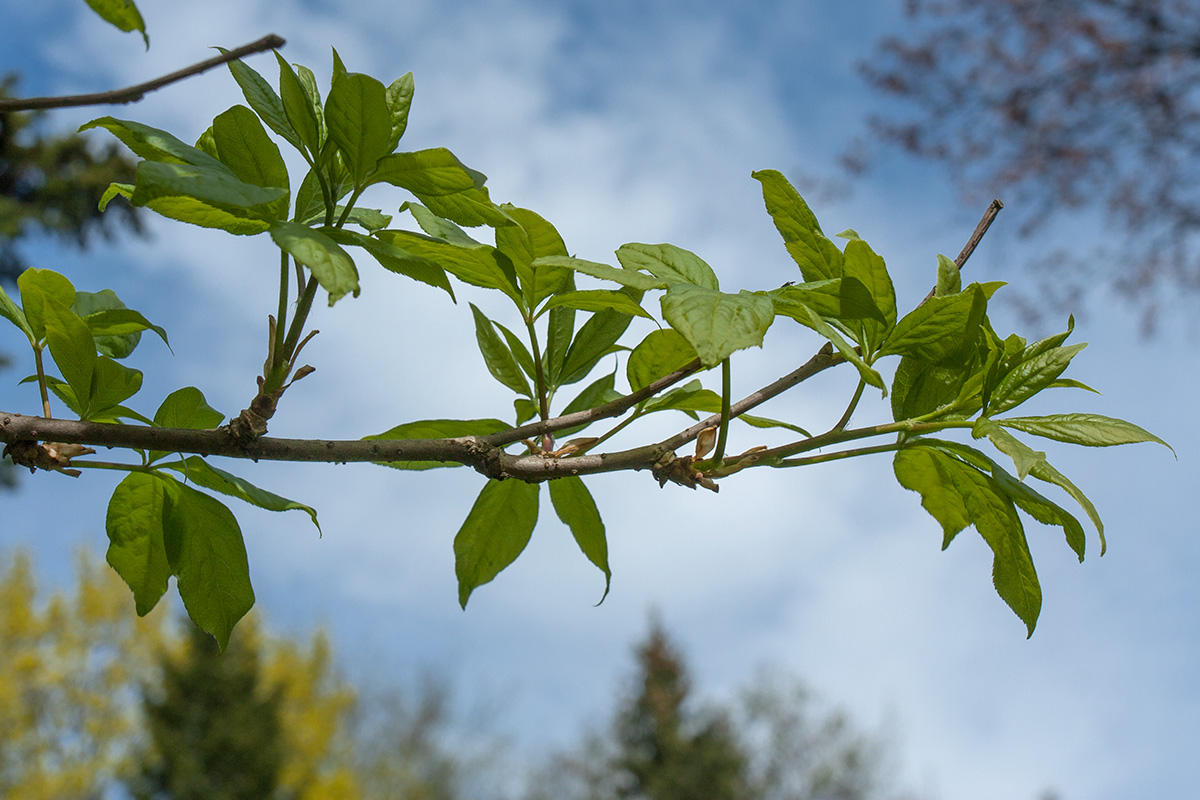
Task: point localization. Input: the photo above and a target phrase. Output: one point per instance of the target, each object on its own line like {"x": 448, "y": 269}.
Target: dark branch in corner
{"x": 135, "y": 93}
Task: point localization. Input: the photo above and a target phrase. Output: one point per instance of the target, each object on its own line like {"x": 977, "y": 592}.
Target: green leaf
{"x": 123, "y": 14}
{"x": 495, "y": 532}
{"x": 941, "y": 329}
{"x": 112, "y": 384}
{"x": 957, "y": 494}
{"x": 575, "y": 507}
{"x": 187, "y": 408}
{"x": 135, "y": 538}
{"x": 263, "y": 99}
{"x": 470, "y": 207}
{"x": 594, "y": 341}
{"x": 525, "y": 410}
{"x": 658, "y": 355}
{"x": 598, "y": 300}
{"x": 525, "y": 243}
{"x": 13, "y": 313}
{"x": 330, "y": 264}
{"x": 153, "y": 144}
{"x": 868, "y": 373}
{"x": 115, "y": 189}
{"x": 399, "y": 100}
{"x": 309, "y": 81}
{"x": 395, "y": 259}
{"x": 206, "y": 552}
{"x": 192, "y": 194}
{"x": 497, "y": 356}
{"x": 359, "y": 121}
{"x": 73, "y": 348}
{"x": 1042, "y": 509}
{"x": 477, "y": 264}
{"x": 690, "y": 397}
{"x": 668, "y": 263}
{"x": 817, "y": 256}
{"x": 626, "y": 277}
{"x": 198, "y": 471}
{"x": 596, "y": 393}
{"x": 949, "y": 277}
{"x": 113, "y": 327}
{"x": 245, "y": 148}
{"x": 715, "y": 323}
{"x": 1030, "y": 377}
{"x": 437, "y": 429}
{"x": 1024, "y": 457}
{"x": 844, "y": 298}
{"x": 1092, "y": 430}
{"x": 519, "y": 350}
{"x": 1044, "y": 471}
{"x": 559, "y": 331}
{"x": 37, "y": 286}
{"x": 296, "y": 108}
{"x": 436, "y": 171}
{"x": 863, "y": 263}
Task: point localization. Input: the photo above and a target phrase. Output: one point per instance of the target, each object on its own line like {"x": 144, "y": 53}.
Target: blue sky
{"x": 636, "y": 123}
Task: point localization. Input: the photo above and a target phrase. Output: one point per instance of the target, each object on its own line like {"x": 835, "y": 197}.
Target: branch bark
{"x": 134, "y": 93}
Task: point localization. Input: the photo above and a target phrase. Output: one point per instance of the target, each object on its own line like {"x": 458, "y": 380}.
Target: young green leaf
{"x": 594, "y": 340}
{"x": 1024, "y": 457}
{"x": 198, "y": 471}
{"x": 135, "y": 538}
{"x": 113, "y": 328}
{"x": 399, "y": 100}
{"x": 296, "y": 108}
{"x": 437, "y": 429}
{"x": 476, "y": 264}
{"x": 13, "y": 313}
{"x": 471, "y": 207}
{"x": 869, "y": 374}
{"x": 1091, "y": 430}
{"x": 36, "y": 287}
{"x": 559, "y": 331}
{"x": 191, "y": 194}
{"x": 244, "y": 147}
{"x": 122, "y": 14}
{"x": 187, "y": 408}
{"x": 597, "y": 300}
{"x": 941, "y": 329}
{"x": 395, "y": 259}
{"x": 436, "y": 171}
{"x": 715, "y": 323}
{"x": 112, "y": 384}
{"x": 668, "y": 263}
{"x": 863, "y": 263}
{"x": 658, "y": 355}
{"x": 309, "y": 81}
{"x": 263, "y": 99}
{"x": 1031, "y": 376}
{"x": 359, "y": 121}
{"x": 574, "y": 505}
{"x": 949, "y": 277}
{"x": 817, "y": 256}
{"x": 626, "y": 277}
{"x": 845, "y": 298}
{"x": 330, "y": 264}
{"x": 532, "y": 238}
{"x": 1044, "y": 471}
{"x": 497, "y": 356}
{"x": 153, "y": 144}
{"x": 495, "y": 532}
{"x": 519, "y": 351}
{"x": 114, "y": 190}
{"x": 205, "y": 549}
{"x": 73, "y": 348}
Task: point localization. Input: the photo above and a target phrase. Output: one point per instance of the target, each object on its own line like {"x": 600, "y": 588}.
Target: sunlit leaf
{"x": 715, "y": 323}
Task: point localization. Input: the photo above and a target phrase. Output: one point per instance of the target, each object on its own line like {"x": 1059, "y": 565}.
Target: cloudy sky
{"x": 642, "y": 122}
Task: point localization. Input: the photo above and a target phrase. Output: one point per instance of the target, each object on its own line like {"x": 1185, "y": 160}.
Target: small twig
{"x": 135, "y": 93}
{"x": 976, "y": 238}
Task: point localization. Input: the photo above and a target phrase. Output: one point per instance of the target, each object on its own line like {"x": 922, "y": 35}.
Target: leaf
{"x": 519, "y": 351}
{"x": 625, "y": 277}
{"x": 598, "y": 300}
{"x": 153, "y": 144}
{"x": 957, "y": 494}
{"x": 359, "y": 121}
{"x": 1044, "y": 471}
{"x": 437, "y": 429}
{"x": 715, "y": 323}
{"x": 532, "y": 238}
{"x": 559, "y": 331}
{"x": 497, "y": 356}
{"x": 197, "y": 190}
{"x": 112, "y": 326}
{"x": 245, "y": 148}
{"x": 115, "y": 344}
{"x": 187, "y": 408}
{"x": 206, "y": 552}
{"x": 525, "y": 410}
{"x": 296, "y": 108}
{"x": 198, "y": 471}
{"x": 658, "y": 355}
{"x": 135, "y": 538}
{"x": 399, "y": 99}
{"x": 73, "y": 349}
{"x": 941, "y": 329}
{"x": 395, "y": 259}
{"x": 868, "y": 374}
{"x": 949, "y": 277}
{"x": 114, "y": 190}
{"x": 817, "y": 256}
{"x": 309, "y": 82}
{"x": 1091, "y": 430}
{"x": 112, "y": 384}
{"x": 436, "y": 171}
{"x": 594, "y": 340}
{"x": 470, "y": 207}
{"x": 690, "y": 397}
{"x": 863, "y": 263}
{"x": 263, "y": 99}
{"x": 668, "y": 263}
{"x": 844, "y": 298}
{"x": 1024, "y": 457}
{"x": 37, "y": 286}
{"x": 495, "y": 532}
{"x": 330, "y": 264}
{"x": 123, "y": 14}
{"x": 1030, "y": 377}
{"x": 13, "y": 313}
{"x": 574, "y": 505}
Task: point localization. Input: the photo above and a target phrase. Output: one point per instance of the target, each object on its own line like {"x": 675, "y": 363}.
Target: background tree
{"x": 1075, "y": 104}
{"x": 773, "y": 744}
{"x": 52, "y": 184}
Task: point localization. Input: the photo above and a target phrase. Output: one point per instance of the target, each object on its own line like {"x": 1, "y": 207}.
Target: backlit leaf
{"x": 574, "y": 505}
{"x": 495, "y": 532}
{"x": 715, "y": 323}
{"x": 330, "y": 264}
{"x": 135, "y": 538}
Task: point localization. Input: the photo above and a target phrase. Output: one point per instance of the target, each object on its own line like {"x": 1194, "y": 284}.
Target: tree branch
{"x": 135, "y": 93}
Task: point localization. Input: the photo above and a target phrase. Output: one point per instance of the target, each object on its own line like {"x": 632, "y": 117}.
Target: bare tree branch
{"x": 135, "y": 93}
